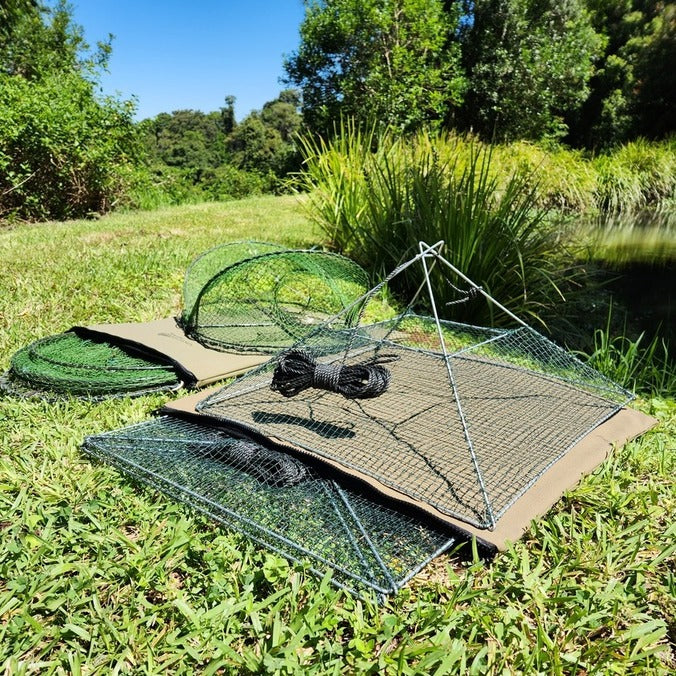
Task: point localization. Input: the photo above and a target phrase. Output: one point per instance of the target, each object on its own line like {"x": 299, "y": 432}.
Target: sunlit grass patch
{"x": 99, "y": 575}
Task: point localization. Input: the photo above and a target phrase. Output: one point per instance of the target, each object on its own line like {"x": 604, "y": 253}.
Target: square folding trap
{"x": 453, "y": 425}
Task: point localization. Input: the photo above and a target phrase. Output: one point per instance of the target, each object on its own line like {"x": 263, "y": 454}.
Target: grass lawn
{"x": 99, "y": 575}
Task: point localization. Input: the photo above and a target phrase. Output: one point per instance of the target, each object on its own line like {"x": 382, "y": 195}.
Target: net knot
{"x": 298, "y": 370}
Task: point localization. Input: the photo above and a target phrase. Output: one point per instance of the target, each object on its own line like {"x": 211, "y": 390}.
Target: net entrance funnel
{"x": 457, "y": 420}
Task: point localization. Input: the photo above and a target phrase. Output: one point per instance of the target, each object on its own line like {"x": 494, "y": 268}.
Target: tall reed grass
{"x": 376, "y": 195}
{"x": 636, "y": 175}
{"x": 641, "y": 365}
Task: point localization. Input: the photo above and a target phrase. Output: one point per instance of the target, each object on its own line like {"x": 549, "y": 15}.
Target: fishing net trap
{"x": 71, "y": 365}
{"x": 370, "y": 449}
{"x": 458, "y": 420}
{"x": 270, "y": 301}
{"x": 241, "y": 296}
{"x": 277, "y": 500}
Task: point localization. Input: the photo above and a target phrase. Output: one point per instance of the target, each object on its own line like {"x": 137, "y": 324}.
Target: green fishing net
{"x": 215, "y": 260}
{"x": 268, "y": 302}
{"x": 68, "y": 364}
{"x": 242, "y": 295}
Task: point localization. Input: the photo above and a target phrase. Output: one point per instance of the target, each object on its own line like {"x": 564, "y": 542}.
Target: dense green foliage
{"x": 390, "y": 60}
{"x": 633, "y": 85}
{"x": 591, "y": 72}
{"x": 101, "y": 576}
{"x": 377, "y": 206}
{"x": 193, "y": 156}
{"x": 501, "y": 211}
{"x": 588, "y": 72}
{"x": 640, "y": 365}
{"x": 528, "y": 64}
{"x": 64, "y": 151}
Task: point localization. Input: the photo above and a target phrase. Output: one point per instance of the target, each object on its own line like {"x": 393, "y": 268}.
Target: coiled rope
{"x": 297, "y": 370}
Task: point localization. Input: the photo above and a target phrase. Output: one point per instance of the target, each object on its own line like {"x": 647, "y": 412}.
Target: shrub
{"x": 640, "y": 366}
{"x": 63, "y": 152}
{"x": 636, "y": 175}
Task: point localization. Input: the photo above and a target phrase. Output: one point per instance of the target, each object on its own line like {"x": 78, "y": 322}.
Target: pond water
{"x": 634, "y": 258}
{"x": 643, "y": 237}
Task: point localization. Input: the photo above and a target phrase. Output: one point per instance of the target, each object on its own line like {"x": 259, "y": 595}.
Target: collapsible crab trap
{"x": 271, "y": 301}
{"x": 67, "y": 364}
{"x": 281, "y": 502}
{"x": 457, "y": 420}
{"x": 239, "y": 296}
{"x": 368, "y": 448}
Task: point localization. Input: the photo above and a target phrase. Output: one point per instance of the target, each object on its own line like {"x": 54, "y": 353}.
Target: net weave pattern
{"x": 68, "y": 364}
{"x": 209, "y": 264}
{"x": 467, "y": 433}
{"x": 314, "y": 519}
{"x": 270, "y": 301}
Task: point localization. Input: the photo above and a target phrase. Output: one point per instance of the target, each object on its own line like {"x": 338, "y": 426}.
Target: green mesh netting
{"x": 243, "y": 295}
{"x": 278, "y": 501}
{"x": 215, "y": 260}
{"x": 68, "y": 364}
{"x": 270, "y": 301}
{"x": 459, "y": 419}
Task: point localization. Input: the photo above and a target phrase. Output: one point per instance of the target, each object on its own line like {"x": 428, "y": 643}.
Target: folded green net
{"x": 241, "y": 296}
{"x": 68, "y": 364}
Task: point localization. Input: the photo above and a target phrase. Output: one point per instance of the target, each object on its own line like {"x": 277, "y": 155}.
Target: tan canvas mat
{"x": 197, "y": 365}
{"x": 563, "y": 475}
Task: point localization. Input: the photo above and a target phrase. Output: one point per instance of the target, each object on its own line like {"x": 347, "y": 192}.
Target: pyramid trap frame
{"x": 238, "y": 296}
{"x": 469, "y": 419}
{"x": 456, "y": 423}
{"x": 279, "y": 501}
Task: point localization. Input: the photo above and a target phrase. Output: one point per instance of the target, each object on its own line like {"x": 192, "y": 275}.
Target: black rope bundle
{"x": 467, "y": 294}
{"x": 297, "y": 370}
{"x": 273, "y": 468}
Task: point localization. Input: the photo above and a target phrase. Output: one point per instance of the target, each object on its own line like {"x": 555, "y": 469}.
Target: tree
{"x": 264, "y": 141}
{"x": 228, "y": 121}
{"x": 36, "y": 39}
{"x": 185, "y": 138}
{"x": 392, "y": 60}
{"x": 64, "y": 150}
{"x": 654, "y": 105}
{"x": 633, "y": 88}
{"x": 282, "y": 114}
{"x": 528, "y": 63}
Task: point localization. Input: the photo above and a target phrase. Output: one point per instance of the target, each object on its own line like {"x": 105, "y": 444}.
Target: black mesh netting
{"x": 465, "y": 430}
{"x": 277, "y": 500}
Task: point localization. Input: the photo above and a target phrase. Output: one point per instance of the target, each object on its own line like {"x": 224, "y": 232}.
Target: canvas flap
{"x": 563, "y": 475}
{"x": 198, "y": 366}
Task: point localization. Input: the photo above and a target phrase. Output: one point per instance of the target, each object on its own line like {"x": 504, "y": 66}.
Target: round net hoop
{"x": 268, "y": 302}
{"x": 65, "y": 363}
{"x": 213, "y": 261}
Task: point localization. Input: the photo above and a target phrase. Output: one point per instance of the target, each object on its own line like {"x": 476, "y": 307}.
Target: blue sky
{"x": 176, "y": 54}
